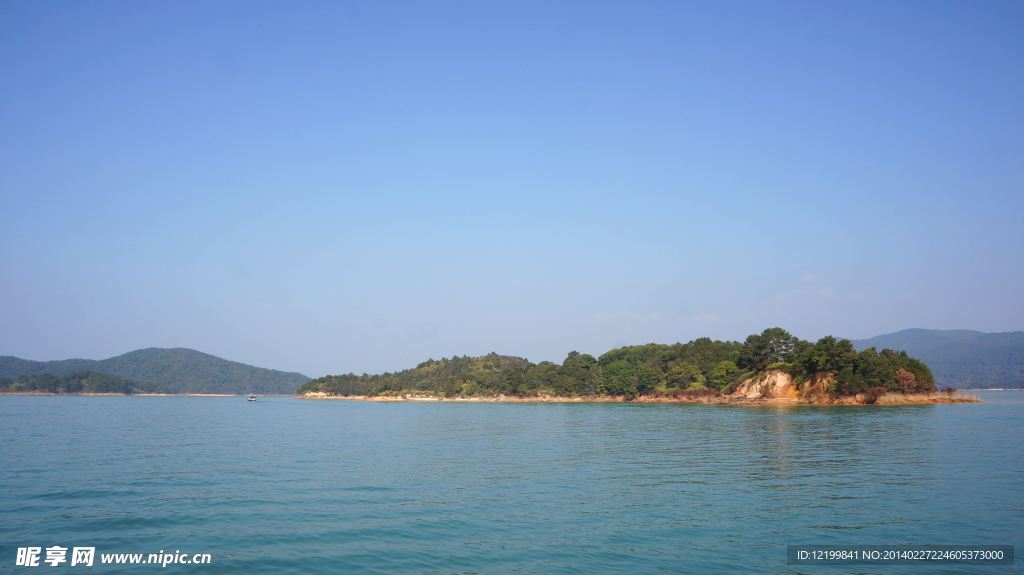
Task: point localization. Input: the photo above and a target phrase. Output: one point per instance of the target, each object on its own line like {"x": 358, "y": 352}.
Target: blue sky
{"x": 331, "y": 187}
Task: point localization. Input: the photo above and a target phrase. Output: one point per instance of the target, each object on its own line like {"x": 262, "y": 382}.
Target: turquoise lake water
{"x": 304, "y": 486}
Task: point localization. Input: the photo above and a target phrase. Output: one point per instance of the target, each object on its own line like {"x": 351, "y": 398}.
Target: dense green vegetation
{"x": 859, "y": 372}
{"x": 76, "y": 382}
{"x": 701, "y": 364}
{"x": 961, "y": 358}
{"x": 176, "y": 370}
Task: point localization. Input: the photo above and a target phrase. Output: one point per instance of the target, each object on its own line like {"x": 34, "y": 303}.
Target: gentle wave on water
{"x": 301, "y": 486}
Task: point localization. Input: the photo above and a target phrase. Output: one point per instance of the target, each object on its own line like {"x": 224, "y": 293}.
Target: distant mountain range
{"x": 962, "y": 358}
{"x": 176, "y": 370}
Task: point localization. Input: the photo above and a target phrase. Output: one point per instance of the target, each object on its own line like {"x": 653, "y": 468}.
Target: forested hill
{"x": 177, "y": 370}
{"x": 701, "y": 366}
{"x": 75, "y": 382}
{"x": 916, "y": 341}
{"x": 962, "y": 358}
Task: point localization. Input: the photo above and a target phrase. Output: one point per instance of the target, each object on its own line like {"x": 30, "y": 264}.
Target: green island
{"x": 770, "y": 367}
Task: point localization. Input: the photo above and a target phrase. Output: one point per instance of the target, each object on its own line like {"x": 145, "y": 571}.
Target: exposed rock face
{"x": 770, "y": 384}
{"x": 777, "y": 384}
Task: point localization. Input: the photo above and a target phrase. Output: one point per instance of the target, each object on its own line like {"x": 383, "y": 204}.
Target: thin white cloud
{"x": 625, "y": 316}
{"x": 707, "y": 318}
{"x": 823, "y": 291}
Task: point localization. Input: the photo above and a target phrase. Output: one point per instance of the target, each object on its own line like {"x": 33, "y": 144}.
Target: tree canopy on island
{"x": 701, "y": 364}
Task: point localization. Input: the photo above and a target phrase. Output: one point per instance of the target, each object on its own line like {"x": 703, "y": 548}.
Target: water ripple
{"x": 288, "y": 486}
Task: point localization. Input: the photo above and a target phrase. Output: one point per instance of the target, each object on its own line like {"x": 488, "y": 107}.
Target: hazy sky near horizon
{"x": 327, "y": 187}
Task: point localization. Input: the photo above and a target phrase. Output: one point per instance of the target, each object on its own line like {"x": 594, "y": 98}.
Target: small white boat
{"x": 252, "y": 397}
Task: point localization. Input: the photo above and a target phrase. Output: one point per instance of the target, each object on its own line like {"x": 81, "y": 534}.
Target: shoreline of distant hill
{"x": 175, "y": 371}
{"x": 100, "y": 394}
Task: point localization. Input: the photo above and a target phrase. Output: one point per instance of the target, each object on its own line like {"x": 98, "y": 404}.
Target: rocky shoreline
{"x": 888, "y": 399}
{"x": 772, "y": 387}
